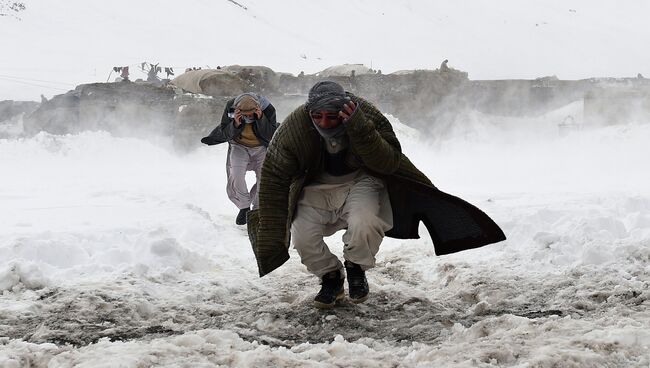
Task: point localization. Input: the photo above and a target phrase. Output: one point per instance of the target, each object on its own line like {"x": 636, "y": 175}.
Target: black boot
{"x": 331, "y": 290}
{"x": 241, "y": 216}
{"x": 357, "y": 283}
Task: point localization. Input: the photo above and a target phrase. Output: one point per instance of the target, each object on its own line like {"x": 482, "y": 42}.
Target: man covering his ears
{"x": 336, "y": 164}
{"x": 247, "y": 124}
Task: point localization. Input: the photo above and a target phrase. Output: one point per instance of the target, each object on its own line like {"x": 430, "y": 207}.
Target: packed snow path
{"x": 405, "y": 307}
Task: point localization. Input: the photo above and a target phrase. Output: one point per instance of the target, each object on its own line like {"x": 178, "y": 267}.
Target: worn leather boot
{"x": 331, "y": 290}
{"x": 357, "y": 283}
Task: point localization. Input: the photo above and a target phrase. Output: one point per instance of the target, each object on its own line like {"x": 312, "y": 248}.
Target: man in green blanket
{"x": 335, "y": 163}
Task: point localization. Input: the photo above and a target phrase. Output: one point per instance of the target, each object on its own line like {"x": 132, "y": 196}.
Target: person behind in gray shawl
{"x": 247, "y": 124}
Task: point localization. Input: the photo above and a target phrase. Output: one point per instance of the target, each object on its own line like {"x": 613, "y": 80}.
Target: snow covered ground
{"x": 120, "y": 252}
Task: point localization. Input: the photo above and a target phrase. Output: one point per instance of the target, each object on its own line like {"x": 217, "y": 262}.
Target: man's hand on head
{"x": 237, "y": 118}
{"x": 347, "y": 111}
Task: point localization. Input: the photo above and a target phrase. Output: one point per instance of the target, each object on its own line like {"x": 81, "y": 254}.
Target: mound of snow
{"x": 16, "y": 275}
{"x": 344, "y": 70}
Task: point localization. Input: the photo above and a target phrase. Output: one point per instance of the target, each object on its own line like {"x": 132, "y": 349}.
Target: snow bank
{"x": 16, "y": 276}
{"x": 91, "y": 204}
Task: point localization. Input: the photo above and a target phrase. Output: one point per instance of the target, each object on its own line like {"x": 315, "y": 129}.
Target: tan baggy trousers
{"x": 240, "y": 160}
{"x": 360, "y": 204}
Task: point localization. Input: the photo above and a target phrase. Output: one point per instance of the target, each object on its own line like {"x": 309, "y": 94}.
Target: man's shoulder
{"x": 363, "y": 103}
{"x": 370, "y": 110}
{"x": 297, "y": 116}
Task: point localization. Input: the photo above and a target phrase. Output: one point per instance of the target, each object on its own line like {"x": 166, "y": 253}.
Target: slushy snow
{"x": 121, "y": 252}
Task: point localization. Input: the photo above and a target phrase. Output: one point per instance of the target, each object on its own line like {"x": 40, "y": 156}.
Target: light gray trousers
{"x": 240, "y": 160}
{"x": 324, "y": 209}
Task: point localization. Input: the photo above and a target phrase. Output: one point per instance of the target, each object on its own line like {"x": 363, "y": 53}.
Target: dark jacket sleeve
{"x": 266, "y": 126}
{"x": 269, "y": 112}
{"x": 225, "y": 131}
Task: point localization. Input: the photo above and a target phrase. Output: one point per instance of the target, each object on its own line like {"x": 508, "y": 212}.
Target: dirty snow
{"x": 120, "y": 252}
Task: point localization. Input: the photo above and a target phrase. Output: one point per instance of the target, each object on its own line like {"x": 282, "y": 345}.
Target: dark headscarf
{"x": 326, "y": 95}
{"x": 330, "y": 96}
